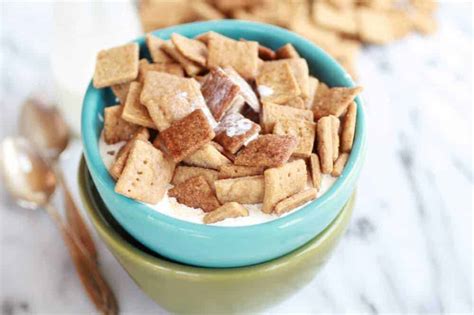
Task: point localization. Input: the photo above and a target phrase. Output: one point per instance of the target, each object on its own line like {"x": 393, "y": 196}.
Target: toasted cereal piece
{"x": 185, "y": 136}
{"x": 116, "y": 65}
{"x": 286, "y": 52}
{"x": 321, "y": 89}
{"x": 205, "y": 11}
{"x": 334, "y": 101}
{"x": 169, "y": 98}
{"x": 205, "y": 37}
{"x": 324, "y": 143}
{"x": 276, "y": 83}
{"x": 326, "y": 15}
{"x": 133, "y": 111}
{"x": 303, "y": 131}
{"x": 300, "y": 70}
{"x": 313, "y": 84}
{"x": 192, "y": 49}
{"x": 296, "y": 200}
{"x": 155, "y": 45}
{"x": 264, "y": 52}
{"x": 401, "y": 21}
{"x": 335, "y": 124}
{"x": 234, "y": 171}
{"x": 121, "y": 91}
{"x": 234, "y": 131}
{"x": 267, "y": 151}
{"x": 315, "y": 168}
{"x": 146, "y": 174}
{"x": 348, "y": 128}
{"x": 189, "y": 66}
{"x": 246, "y": 90}
{"x": 273, "y": 112}
{"x": 227, "y": 210}
{"x": 207, "y": 156}
{"x": 240, "y": 55}
{"x": 283, "y": 181}
{"x": 122, "y": 155}
{"x": 242, "y": 189}
{"x": 237, "y": 105}
{"x": 159, "y": 14}
{"x": 195, "y": 192}
{"x": 171, "y": 68}
{"x": 374, "y": 26}
{"x": 183, "y": 173}
{"x": 339, "y": 165}
{"x": 115, "y": 128}
{"x": 219, "y": 91}
{"x": 296, "y": 102}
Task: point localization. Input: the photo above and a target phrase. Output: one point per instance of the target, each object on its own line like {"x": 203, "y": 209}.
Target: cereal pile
{"x": 338, "y": 26}
{"x": 219, "y": 123}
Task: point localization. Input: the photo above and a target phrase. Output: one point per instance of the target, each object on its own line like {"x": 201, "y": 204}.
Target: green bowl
{"x": 186, "y": 289}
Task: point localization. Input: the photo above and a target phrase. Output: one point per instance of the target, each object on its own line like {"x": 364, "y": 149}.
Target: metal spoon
{"x": 46, "y": 129}
{"x": 32, "y": 181}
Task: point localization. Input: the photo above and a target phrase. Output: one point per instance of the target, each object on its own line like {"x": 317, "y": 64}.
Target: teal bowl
{"x": 214, "y": 246}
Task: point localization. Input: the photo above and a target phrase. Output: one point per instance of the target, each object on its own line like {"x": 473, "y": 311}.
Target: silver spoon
{"x": 43, "y": 125}
{"x": 31, "y": 181}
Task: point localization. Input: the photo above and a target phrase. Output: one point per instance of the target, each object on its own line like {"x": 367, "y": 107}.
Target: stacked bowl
{"x": 189, "y": 267}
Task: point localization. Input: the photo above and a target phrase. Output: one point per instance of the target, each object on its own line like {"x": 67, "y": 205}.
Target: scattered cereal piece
{"x": 324, "y": 143}
{"x": 234, "y": 171}
{"x": 242, "y": 56}
{"x": 168, "y": 98}
{"x": 133, "y": 111}
{"x": 186, "y": 136}
{"x": 339, "y": 165}
{"x": 195, "y": 192}
{"x": 122, "y": 155}
{"x": 121, "y": 91}
{"x": 205, "y": 11}
{"x": 330, "y": 17}
{"x": 335, "y": 124}
{"x": 303, "y": 131}
{"x": 183, "y": 173}
{"x": 334, "y": 101}
{"x": 273, "y": 112}
{"x": 192, "y": 49}
{"x": 348, "y": 128}
{"x": 189, "y": 66}
{"x": 245, "y": 89}
{"x": 155, "y": 45}
{"x": 219, "y": 91}
{"x": 283, "y": 181}
{"x": 227, "y": 210}
{"x": 374, "y": 26}
{"x": 267, "y": 151}
{"x": 146, "y": 174}
{"x": 234, "y": 131}
{"x": 296, "y": 102}
{"x": 286, "y": 52}
{"x": 315, "y": 171}
{"x": 116, "y": 65}
{"x": 313, "y": 84}
{"x": 265, "y": 53}
{"x": 171, "y": 68}
{"x": 115, "y": 128}
{"x": 207, "y": 156}
{"x": 295, "y": 201}
{"x": 242, "y": 189}
{"x": 276, "y": 83}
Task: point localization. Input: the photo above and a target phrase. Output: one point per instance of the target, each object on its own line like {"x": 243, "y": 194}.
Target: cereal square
{"x": 240, "y": 55}
{"x": 329, "y": 17}
{"x": 208, "y": 156}
{"x": 296, "y": 200}
{"x": 339, "y": 165}
{"x": 325, "y": 146}
{"x": 246, "y": 91}
{"x": 348, "y": 128}
{"x": 195, "y": 192}
{"x": 276, "y": 83}
{"x": 171, "y": 68}
{"x": 186, "y": 136}
{"x": 247, "y": 190}
{"x": 169, "y": 98}
{"x": 219, "y": 91}
{"x": 315, "y": 168}
{"x": 234, "y": 131}
{"x": 287, "y": 52}
{"x": 267, "y": 151}
{"x": 133, "y": 111}
{"x": 228, "y": 210}
{"x": 313, "y": 84}
{"x": 146, "y": 174}
{"x": 121, "y": 91}
{"x": 303, "y": 131}
{"x": 183, "y": 173}
{"x": 334, "y": 101}
{"x": 115, "y": 128}
{"x": 189, "y": 66}
{"x": 273, "y": 112}
{"x": 374, "y": 26}
{"x": 299, "y": 69}
{"x": 116, "y": 65}
{"x": 234, "y": 171}
{"x": 192, "y": 49}
{"x": 282, "y": 182}
{"x": 155, "y": 45}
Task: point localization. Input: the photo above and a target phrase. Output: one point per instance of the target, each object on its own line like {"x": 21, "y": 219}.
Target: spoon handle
{"x": 75, "y": 219}
{"x": 87, "y": 269}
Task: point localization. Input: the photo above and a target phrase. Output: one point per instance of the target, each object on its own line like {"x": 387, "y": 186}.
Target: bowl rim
{"x": 119, "y": 244}
{"x": 98, "y": 169}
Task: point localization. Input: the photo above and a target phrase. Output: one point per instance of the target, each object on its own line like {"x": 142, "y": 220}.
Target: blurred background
{"x": 409, "y": 245}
